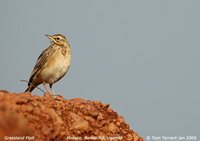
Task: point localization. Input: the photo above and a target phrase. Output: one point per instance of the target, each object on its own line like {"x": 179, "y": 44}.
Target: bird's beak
{"x": 49, "y": 36}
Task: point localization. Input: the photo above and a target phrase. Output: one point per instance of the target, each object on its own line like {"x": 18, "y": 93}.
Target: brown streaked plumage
{"x": 52, "y": 64}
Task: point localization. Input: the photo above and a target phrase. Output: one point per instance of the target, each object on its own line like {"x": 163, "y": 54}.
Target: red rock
{"x": 112, "y": 127}
{"x": 47, "y": 95}
{"x": 54, "y": 118}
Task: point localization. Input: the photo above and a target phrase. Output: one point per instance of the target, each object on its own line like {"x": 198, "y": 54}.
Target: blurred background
{"x": 141, "y": 57}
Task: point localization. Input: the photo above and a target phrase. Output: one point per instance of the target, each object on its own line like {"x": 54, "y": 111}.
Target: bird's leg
{"x": 45, "y": 86}
{"x": 52, "y": 92}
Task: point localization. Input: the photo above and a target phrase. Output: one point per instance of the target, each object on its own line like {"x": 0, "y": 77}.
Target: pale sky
{"x": 141, "y": 57}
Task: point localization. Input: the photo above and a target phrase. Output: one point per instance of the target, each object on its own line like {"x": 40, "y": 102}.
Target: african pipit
{"x": 52, "y": 64}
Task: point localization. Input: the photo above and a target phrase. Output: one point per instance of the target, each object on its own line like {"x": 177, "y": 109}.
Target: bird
{"x": 52, "y": 64}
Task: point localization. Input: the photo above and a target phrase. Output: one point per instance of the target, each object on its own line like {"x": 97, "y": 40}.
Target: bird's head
{"x": 58, "y": 39}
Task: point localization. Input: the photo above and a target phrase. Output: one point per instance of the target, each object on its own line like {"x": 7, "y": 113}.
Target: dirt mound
{"x": 25, "y": 116}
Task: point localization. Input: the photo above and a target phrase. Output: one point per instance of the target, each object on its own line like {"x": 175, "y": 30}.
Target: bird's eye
{"x": 57, "y": 38}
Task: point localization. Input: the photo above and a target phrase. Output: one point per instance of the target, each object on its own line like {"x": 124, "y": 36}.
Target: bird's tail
{"x": 30, "y": 88}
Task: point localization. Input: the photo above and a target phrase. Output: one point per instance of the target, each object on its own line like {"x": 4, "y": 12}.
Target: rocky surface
{"x": 24, "y": 116}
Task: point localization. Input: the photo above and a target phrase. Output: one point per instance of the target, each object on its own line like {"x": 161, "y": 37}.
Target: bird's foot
{"x": 53, "y": 94}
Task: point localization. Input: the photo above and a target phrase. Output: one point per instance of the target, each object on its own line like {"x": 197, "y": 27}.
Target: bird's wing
{"x": 42, "y": 59}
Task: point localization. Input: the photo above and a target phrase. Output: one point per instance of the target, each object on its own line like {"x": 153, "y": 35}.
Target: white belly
{"x": 56, "y": 69}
